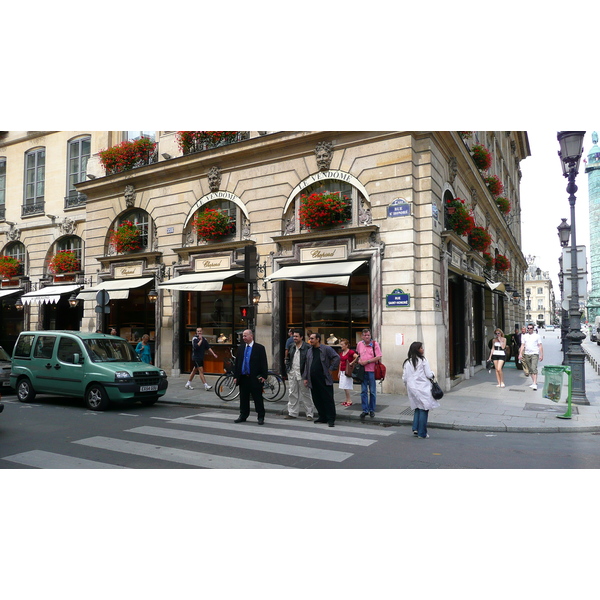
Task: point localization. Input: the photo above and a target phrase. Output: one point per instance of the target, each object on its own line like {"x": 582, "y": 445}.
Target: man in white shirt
{"x": 530, "y": 352}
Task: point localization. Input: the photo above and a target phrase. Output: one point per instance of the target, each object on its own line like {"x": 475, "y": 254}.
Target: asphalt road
{"x": 58, "y": 433}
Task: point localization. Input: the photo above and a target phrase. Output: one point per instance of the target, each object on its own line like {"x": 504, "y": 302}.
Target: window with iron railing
{"x": 78, "y": 156}
{"x": 2, "y": 187}
{"x": 35, "y": 175}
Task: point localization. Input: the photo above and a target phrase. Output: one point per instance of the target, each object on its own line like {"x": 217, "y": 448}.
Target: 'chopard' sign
{"x": 128, "y": 271}
{"x": 218, "y": 263}
{"x": 325, "y": 254}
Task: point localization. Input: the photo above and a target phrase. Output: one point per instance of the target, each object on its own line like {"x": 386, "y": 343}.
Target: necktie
{"x": 246, "y": 365}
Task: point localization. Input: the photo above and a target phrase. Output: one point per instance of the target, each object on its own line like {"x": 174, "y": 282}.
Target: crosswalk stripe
{"x": 288, "y": 433}
{"x": 300, "y": 422}
{"x": 247, "y": 444}
{"x": 186, "y": 457}
{"x": 50, "y": 460}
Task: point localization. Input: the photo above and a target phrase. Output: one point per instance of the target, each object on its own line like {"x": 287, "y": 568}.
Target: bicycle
{"x": 227, "y": 390}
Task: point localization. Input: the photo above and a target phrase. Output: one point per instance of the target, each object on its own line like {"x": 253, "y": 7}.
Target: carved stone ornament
{"x": 67, "y": 226}
{"x": 129, "y": 196}
{"x": 474, "y": 197}
{"x": 14, "y": 233}
{"x": 214, "y": 179}
{"x": 246, "y": 230}
{"x": 290, "y": 225}
{"x": 364, "y": 215}
{"x": 324, "y": 153}
{"x": 452, "y": 169}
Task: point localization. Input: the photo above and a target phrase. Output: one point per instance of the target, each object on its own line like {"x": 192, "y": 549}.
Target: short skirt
{"x": 501, "y": 356}
{"x": 345, "y": 382}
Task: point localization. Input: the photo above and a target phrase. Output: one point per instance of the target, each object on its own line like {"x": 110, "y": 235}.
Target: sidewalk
{"x": 476, "y": 404}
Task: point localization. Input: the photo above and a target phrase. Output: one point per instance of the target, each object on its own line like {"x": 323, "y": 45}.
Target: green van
{"x": 97, "y": 367}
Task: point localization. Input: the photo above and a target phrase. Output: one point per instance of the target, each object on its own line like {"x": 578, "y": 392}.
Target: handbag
{"x": 358, "y": 374}
{"x": 436, "y": 390}
{"x": 489, "y": 365}
{"x": 380, "y": 371}
{"x": 349, "y": 369}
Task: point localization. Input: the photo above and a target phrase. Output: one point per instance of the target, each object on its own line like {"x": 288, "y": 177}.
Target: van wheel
{"x": 25, "y": 391}
{"x": 96, "y": 398}
{"x": 150, "y": 401}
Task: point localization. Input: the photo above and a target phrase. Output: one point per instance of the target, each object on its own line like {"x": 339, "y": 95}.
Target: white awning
{"x": 118, "y": 289}
{"x": 330, "y": 273}
{"x": 194, "y": 282}
{"x": 48, "y": 295}
{"x": 5, "y": 293}
{"x": 497, "y": 286}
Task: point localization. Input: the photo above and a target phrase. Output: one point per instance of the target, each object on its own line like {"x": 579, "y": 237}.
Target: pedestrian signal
{"x": 247, "y": 312}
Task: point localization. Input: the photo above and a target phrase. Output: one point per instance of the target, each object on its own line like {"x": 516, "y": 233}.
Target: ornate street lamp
{"x": 564, "y": 232}
{"x": 19, "y": 304}
{"x": 73, "y": 302}
{"x": 571, "y": 149}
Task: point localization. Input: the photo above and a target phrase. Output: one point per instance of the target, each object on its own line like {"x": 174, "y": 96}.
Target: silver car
{"x": 4, "y": 370}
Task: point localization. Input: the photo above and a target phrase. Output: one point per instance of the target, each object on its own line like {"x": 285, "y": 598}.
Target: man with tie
{"x": 251, "y": 371}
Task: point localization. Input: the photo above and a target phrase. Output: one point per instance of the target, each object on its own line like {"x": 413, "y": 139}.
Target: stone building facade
{"x": 392, "y": 265}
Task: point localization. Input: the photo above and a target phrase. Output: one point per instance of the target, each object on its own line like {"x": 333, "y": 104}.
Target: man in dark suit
{"x": 251, "y": 371}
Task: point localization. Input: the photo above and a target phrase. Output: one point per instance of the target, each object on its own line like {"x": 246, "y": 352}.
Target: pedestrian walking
{"x": 369, "y": 353}
{"x": 531, "y": 353}
{"x": 321, "y": 360}
{"x": 298, "y": 393}
{"x": 523, "y": 333}
{"x": 288, "y": 344}
{"x": 417, "y": 377}
{"x": 143, "y": 349}
{"x": 251, "y": 371}
{"x": 498, "y": 355}
{"x": 347, "y": 357}
{"x": 200, "y": 347}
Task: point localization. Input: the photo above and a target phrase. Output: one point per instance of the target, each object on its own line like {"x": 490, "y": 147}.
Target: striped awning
{"x": 48, "y": 295}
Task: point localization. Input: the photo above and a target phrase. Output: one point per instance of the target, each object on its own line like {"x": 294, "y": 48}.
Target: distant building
{"x": 540, "y": 306}
{"x": 593, "y": 170}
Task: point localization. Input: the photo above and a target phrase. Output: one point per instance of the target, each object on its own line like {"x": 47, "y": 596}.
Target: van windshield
{"x": 104, "y": 350}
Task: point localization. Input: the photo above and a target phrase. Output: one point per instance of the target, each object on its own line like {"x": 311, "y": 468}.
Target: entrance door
{"x": 456, "y": 325}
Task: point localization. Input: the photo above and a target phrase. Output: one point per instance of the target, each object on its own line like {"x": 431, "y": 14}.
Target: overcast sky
{"x": 544, "y": 201}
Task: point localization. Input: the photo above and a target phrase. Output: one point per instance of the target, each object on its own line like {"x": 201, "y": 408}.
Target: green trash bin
{"x": 553, "y": 381}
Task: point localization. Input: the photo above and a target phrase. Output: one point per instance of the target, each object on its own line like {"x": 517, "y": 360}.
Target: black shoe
{"x": 363, "y": 415}
{"x": 372, "y": 414}
{"x": 240, "y": 420}
{"x": 261, "y": 421}
{"x": 319, "y": 421}
{"x": 332, "y": 424}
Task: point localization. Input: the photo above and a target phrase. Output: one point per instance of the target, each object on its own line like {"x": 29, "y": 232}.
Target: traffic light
{"x": 247, "y": 312}
{"x": 250, "y": 264}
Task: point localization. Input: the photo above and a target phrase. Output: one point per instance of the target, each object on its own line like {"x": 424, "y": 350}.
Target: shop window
{"x": 334, "y": 311}
{"x": 357, "y": 213}
{"x": 219, "y": 316}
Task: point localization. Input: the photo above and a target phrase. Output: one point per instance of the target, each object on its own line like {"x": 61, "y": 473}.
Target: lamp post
{"x": 564, "y": 232}
{"x": 528, "y": 306}
{"x": 571, "y": 149}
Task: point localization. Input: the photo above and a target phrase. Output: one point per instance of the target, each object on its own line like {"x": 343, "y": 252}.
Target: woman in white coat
{"x": 416, "y": 377}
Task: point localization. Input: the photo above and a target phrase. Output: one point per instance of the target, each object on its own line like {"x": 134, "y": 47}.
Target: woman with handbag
{"x": 417, "y": 377}
{"x": 498, "y": 355}
{"x": 347, "y": 360}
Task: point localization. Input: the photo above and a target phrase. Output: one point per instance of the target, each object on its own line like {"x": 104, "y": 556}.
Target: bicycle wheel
{"x": 226, "y": 389}
{"x": 282, "y": 387}
{"x": 273, "y": 388}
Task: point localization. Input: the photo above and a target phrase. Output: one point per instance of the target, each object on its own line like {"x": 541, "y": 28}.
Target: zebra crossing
{"x": 217, "y": 443}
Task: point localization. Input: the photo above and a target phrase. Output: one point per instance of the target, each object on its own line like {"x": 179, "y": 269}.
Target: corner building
{"x": 392, "y": 265}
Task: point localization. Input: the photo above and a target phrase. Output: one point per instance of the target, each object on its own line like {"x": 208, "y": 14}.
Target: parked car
{"x": 97, "y": 367}
{"x": 549, "y": 327}
{"x": 4, "y": 369}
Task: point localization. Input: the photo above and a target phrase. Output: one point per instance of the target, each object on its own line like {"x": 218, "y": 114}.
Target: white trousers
{"x": 299, "y": 393}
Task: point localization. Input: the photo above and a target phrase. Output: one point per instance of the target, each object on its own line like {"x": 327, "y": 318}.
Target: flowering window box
{"x": 9, "y": 267}
{"x": 494, "y": 185}
{"x": 64, "y": 261}
{"x": 126, "y": 238}
{"x": 482, "y": 157}
{"x": 128, "y": 155}
{"x": 501, "y": 263}
{"x": 480, "y": 239}
{"x": 503, "y": 204}
{"x": 319, "y": 210}
{"x": 458, "y": 217}
{"x": 196, "y": 141}
{"x": 212, "y": 225}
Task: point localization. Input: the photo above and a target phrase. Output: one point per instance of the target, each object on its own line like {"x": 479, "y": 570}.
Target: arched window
{"x": 357, "y": 212}
{"x": 17, "y": 251}
{"x": 70, "y": 243}
{"x": 227, "y": 228}
{"x": 142, "y": 221}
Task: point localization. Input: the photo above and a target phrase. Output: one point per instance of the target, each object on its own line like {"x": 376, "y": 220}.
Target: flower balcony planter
{"x": 481, "y": 157}
{"x": 501, "y": 263}
{"x": 196, "y": 141}
{"x": 212, "y": 225}
{"x": 458, "y": 217}
{"x": 127, "y": 155}
{"x": 494, "y": 185}
{"x": 126, "y": 238}
{"x": 318, "y": 211}
{"x": 64, "y": 261}
{"x": 503, "y": 204}
{"x": 489, "y": 260}
{"x": 480, "y": 239}
{"x": 9, "y": 267}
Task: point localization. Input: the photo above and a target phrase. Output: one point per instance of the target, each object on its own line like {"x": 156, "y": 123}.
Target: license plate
{"x": 6, "y": 383}
{"x": 148, "y": 388}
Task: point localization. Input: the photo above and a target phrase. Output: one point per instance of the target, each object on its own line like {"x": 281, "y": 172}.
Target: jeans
{"x": 420, "y": 422}
{"x": 368, "y": 395}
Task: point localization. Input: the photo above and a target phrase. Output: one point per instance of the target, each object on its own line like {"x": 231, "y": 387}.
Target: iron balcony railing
{"x": 75, "y": 199}
{"x": 2, "y": 213}
{"x": 32, "y": 208}
{"x": 201, "y": 146}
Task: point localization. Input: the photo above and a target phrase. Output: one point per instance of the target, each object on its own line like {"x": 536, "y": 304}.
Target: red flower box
{"x": 494, "y": 184}
{"x": 458, "y": 217}
{"x": 64, "y": 261}
{"x": 9, "y": 267}
{"x": 211, "y": 224}
{"x": 480, "y": 239}
{"x": 501, "y": 263}
{"x": 482, "y": 157}
{"x": 323, "y": 210}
